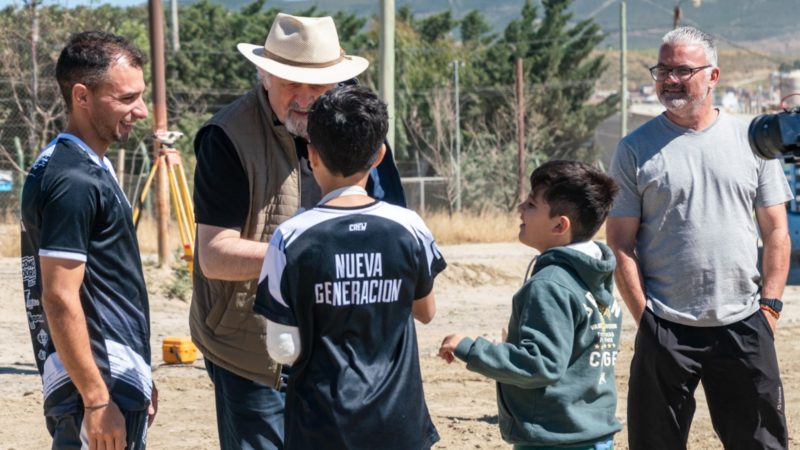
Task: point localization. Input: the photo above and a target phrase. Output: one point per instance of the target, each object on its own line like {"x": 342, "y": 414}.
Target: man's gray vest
{"x": 223, "y": 324}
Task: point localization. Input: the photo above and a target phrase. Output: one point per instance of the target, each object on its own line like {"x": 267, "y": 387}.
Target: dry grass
{"x": 9, "y": 238}
{"x": 458, "y": 228}
{"x": 472, "y": 227}
{"x": 147, "y": 233}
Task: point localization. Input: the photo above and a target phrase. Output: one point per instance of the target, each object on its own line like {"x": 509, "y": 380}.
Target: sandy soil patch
{"x": 473, "y": 297}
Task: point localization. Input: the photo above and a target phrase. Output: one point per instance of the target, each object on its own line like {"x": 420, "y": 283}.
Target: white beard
{"x": 677, "y": 102}
{"x": 297, "y": 127}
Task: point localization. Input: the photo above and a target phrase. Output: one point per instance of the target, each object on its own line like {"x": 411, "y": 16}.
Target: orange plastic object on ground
{"x": 178, "y": 350}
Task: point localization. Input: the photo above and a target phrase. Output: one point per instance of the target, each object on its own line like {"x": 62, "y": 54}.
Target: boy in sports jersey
{"x": 340, "y": 287}
{"x": 85, "y": 293}
{"x": 555, "y": 370}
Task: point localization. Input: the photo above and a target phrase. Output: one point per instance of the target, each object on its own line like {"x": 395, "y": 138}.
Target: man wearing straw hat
{"x": 252, "y": 174}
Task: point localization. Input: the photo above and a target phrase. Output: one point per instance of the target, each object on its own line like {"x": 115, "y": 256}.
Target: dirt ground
{"x": 473, "y": 297}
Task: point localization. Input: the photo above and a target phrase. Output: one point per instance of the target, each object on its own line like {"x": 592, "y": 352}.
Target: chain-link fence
{"x": 27, "y": 127}
{"x": 425, "y": 194}
{"x": 22, "y": 139}
{"x": 32, "y": 113}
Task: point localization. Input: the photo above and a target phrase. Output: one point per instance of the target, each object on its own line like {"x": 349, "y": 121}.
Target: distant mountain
{"x": 733, "y": 21}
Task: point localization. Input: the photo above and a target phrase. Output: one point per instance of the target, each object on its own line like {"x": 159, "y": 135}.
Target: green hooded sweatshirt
{"x": 555, "y": 372}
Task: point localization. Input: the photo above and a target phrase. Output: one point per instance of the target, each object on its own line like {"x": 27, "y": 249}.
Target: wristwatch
{"x": 774, "y": 304}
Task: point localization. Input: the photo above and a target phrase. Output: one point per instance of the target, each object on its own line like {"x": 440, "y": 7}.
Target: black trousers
{"x": 739, "y": 370}
{"x": 67, "y": 430}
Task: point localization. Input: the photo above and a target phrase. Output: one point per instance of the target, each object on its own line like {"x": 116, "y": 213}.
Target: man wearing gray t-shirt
{"x": 684, "y": 235}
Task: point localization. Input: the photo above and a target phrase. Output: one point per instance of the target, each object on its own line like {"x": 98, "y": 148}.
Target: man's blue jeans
{"x": 249, "y": 414}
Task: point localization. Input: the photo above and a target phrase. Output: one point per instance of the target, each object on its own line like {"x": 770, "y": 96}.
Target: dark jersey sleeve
{"x": 221, "y": 191}
{"x": 272, "y": 299}
{"x": 68, "y": 210}
{"x": 430, "y": 262}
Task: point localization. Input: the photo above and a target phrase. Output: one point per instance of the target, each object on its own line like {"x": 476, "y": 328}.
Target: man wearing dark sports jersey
{"x": 84, "y": 290}
{"x": 252, "y": 174}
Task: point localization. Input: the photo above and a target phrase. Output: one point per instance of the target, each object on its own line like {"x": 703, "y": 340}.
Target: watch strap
{"x": 774, "y": 304}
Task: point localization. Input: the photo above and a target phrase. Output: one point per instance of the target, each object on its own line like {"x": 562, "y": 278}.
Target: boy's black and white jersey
{"x": 73, "y": 208}
{"x": 347, "y": 279}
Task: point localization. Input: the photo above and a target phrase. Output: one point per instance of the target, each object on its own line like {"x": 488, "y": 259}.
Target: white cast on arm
{"x": 283, "y": 342}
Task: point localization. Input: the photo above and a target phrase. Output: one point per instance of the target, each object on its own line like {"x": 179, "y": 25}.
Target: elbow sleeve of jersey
{"x": 283, "y": 342}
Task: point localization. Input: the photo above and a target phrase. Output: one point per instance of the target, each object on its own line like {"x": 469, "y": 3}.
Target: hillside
{"x": 734, "y": 21}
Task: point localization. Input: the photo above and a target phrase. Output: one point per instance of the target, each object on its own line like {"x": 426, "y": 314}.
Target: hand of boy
{"x": 449, "y": 346}
{"x": 504, "y": 334}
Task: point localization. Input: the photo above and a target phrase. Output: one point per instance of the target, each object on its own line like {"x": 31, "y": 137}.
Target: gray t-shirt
{"x": 695, "y": 193}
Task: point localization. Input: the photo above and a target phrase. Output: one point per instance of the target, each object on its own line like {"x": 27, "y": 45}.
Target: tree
{"x": 560, "y": 74}
{"x": 433, "y": 135}
{"x": 208, "y": 73}
{"x": 490, "y": 178}
{"x": 788, "y": 67}
{"x": 421, "y": 67}
{"x": 435, "y": 26}
{"x": 474, "y": 28}
{"x": 30, "y": 101}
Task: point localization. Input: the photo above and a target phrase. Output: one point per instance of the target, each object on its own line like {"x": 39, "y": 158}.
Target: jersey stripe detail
{"x": 125, "y": 365}
{"x": 60, "y": 254}
{"x": 308, "y": 219}
{"x": 54, "y": 375}
{"x": 275, "y": 262}
{"x": 129, "y": 366}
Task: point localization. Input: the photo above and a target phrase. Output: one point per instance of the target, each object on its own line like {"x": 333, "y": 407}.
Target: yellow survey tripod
{"x": 178, "y": 188}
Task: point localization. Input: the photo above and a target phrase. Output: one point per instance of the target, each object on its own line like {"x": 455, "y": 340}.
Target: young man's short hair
{"x": 576, "y": 190}
{"x": 347, "y": 126}
{"x": 87, "y": 58}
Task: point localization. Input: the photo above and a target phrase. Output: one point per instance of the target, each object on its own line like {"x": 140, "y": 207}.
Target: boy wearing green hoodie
{"x": 555, "y": 370}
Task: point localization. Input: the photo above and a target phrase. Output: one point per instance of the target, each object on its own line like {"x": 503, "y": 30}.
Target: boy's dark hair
{"x": 576, "y": 190}
{"x": 347, "y": 125}
{"x": 87, "y": 58}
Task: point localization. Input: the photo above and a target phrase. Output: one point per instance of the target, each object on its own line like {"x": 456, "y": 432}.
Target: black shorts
{"x": 66, "y": 430}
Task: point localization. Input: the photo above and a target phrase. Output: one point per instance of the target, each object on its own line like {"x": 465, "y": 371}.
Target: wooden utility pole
{"x": 176, "y": 40}
{"x": 33, "y": 141}
{"x": 386, "y": 71}
{"x": 159, "y": 83}
{"x": 457, "y": 106}
{"x": 521, "y": 194}
{"x": 677, "y": 15}
{"x": 623, "y": 71}
{"x": 121, "y": 167}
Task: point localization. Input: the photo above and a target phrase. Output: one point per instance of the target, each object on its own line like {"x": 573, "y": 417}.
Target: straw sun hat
{"x": 304, "y": 50}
